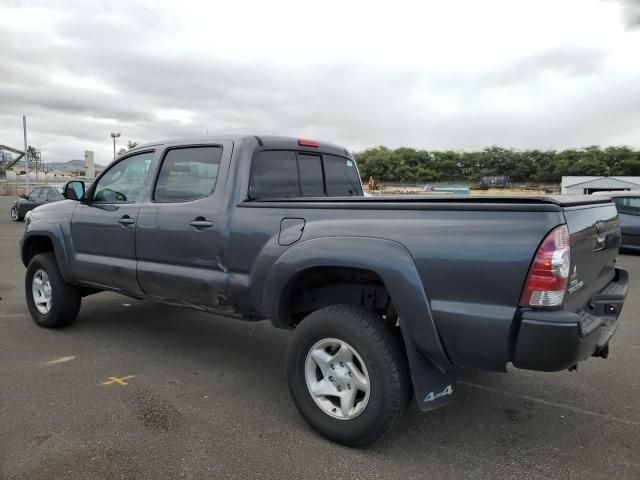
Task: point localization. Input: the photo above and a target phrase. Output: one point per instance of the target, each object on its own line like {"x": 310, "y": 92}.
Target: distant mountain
{"x": 69, "y": 166}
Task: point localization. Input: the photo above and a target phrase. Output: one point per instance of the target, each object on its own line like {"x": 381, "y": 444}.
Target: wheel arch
{"x": 320, "y": 286}
{"x": 385, "y": 259}
{"x": 40, "y": 241}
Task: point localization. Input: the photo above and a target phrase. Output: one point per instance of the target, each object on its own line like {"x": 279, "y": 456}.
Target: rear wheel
{"x": 348, "y": 374}
{"x": 52, "y": 302}
{"x": 15, "y": 214}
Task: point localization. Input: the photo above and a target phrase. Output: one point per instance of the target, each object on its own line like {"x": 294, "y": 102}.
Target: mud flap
{"x": 433, "y": 388}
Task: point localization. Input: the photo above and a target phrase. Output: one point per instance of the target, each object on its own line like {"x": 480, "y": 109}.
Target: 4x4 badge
{"x": 431, "y": 396}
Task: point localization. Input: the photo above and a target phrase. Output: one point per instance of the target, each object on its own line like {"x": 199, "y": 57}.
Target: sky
{"x": 461, "y": 74}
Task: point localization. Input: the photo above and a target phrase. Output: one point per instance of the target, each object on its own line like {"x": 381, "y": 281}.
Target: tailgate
{"x": 594, "y": 240}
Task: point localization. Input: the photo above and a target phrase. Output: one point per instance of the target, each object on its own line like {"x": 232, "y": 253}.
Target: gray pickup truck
{"x": 386, "y": 295}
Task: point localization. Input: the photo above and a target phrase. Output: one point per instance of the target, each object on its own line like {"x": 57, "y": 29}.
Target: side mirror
{"x": 74, "y": 190}
{"x": 23, "y": 195}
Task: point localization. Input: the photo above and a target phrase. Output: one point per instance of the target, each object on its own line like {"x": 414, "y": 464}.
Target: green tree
{"x": 130, "y": 145}
{"x": 528, "y": 166}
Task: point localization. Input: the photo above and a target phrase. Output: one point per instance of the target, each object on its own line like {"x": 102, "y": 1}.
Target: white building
{"x": 588, "y": 185}
{"x": 89, "y": 166}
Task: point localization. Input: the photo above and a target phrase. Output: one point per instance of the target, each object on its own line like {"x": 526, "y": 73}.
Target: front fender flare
{"x": 53, "y": 231}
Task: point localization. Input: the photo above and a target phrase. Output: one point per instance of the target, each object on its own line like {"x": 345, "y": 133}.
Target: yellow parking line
{"x": 118, "y": 380}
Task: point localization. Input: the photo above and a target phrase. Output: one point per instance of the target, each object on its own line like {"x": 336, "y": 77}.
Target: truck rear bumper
{"x": 555, "y": 340}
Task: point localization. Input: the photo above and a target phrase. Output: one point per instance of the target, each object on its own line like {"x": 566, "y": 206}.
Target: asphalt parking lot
{"x": 207, "y": 397}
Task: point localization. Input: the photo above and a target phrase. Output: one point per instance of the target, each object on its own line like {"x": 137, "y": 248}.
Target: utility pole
{"x": 114, "y": 135}
{"x": 26, "y": 154}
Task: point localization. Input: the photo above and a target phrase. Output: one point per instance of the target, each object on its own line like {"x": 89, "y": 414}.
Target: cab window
{"x": 124, "y": 181}
{"x": 311, "y": 179}
{"x": 274, "y": 174}
{"x": 188, "y": 174}
{"x": 287, "y": 173}
{"x": 341, "y": 176}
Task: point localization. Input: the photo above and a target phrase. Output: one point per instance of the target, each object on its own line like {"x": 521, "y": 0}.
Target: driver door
{"x": 103, "y": 226}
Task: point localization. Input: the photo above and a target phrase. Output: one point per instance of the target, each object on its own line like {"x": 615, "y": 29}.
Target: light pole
{"x": 114, "y": 135}
{"x": 26, "y": 153}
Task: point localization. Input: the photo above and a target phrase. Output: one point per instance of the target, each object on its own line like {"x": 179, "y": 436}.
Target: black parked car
{"x": 38, "y": 196}
{"x": 628, "y": 205}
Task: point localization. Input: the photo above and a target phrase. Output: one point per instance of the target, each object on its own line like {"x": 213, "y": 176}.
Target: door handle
{"x": 126, "y": 220}
{"x": 201, "y": 222}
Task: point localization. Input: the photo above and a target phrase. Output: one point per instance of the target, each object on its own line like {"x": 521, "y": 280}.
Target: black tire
{"x": 382, "y": 352}
{"x": 65, "y": 298}
{"x": 15, "y": 214}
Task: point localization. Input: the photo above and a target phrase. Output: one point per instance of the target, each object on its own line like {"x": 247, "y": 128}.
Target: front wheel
{"x": 15, "y": 214}
{"x": 52, "y": 302}
{"x": 348, "y": 374}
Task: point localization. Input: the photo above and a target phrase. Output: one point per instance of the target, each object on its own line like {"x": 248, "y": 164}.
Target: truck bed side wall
{"x": 471, "y": 264}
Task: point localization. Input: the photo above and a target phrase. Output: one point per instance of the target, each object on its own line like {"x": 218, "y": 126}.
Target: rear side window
{"x": 274, "y": 173}
{"x": 341, "y": 176}
{"x": 53, "y": 194}
{"x": 188, "y": 174}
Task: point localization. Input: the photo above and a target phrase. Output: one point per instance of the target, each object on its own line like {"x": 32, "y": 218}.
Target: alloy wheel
{"x": 337, "y": 379}
{"x": 41, "y": 291}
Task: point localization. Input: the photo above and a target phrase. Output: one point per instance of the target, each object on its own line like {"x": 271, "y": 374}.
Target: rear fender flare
{"x": 393, "y": 263}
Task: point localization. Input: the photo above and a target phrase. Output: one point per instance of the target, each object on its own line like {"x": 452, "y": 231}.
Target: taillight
{"x": 547, "y": 280}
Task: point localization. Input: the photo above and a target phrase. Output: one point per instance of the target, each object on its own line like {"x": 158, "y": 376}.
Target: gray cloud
{"x": 565, "y": 61}
{"x": 557, "y": 97}
{"x": 631, "y": 13}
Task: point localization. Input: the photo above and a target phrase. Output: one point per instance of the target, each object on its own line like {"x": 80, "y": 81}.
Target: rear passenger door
{"x": 180, "y": 230}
